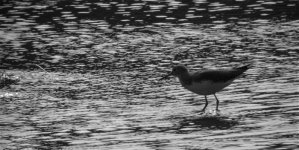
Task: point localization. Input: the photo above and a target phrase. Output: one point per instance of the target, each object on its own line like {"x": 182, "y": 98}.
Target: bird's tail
{"x": 244, "y": 68}
{"x": 238, "y": 71}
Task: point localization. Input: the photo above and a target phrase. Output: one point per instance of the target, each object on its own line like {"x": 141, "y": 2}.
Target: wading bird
{"x": 206, "y": 82}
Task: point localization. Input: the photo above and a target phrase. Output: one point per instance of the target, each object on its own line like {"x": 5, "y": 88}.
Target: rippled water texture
{"x": 100, "y": 90}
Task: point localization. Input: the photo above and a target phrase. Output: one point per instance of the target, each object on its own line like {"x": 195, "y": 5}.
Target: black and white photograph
{"x": 149, "y": 74}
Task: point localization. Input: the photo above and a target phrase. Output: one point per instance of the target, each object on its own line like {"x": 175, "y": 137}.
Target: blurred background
{"x": 85, "y": 34}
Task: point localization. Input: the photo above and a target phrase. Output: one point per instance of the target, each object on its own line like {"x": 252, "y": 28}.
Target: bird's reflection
{"x": 207, "y": 121}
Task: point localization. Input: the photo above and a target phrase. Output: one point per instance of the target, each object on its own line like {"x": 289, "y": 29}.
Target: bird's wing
{"x": 218, "y": 75}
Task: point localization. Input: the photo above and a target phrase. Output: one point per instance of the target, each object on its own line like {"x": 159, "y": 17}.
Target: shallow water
{"x": 101, "y": 90}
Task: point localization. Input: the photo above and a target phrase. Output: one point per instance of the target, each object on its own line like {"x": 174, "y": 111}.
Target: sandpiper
{"x": 206, "y": 82}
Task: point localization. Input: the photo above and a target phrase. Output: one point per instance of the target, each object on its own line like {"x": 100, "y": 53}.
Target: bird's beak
{"x": 166, "y": 76}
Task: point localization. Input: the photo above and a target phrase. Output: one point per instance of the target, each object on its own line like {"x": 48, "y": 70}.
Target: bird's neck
{"x": 185, "y": 78}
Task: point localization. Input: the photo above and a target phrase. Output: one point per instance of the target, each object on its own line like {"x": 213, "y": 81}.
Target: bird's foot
{"x": 201, "y": 112}
{"x": 216, "y": 112}
{"x": 210, "y": 112}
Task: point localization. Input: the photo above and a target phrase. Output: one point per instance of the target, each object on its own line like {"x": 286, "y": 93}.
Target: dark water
{"x": 103, "y": 60}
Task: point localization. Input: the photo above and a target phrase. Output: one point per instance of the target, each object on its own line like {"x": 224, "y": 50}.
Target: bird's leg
{"x": 205, "y": 104}
{"x": 217, "y": 102}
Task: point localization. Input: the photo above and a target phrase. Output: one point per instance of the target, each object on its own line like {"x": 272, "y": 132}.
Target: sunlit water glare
{"x": 101, "y": 90}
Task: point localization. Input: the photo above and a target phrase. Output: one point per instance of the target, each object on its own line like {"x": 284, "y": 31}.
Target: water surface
{"x": 100, "y": 87}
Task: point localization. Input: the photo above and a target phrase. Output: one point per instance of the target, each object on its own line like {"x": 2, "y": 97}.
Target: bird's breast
{"x": 206, "y": 87}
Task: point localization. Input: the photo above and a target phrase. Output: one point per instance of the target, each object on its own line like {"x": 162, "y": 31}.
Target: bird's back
{"x": 219, "y": 75}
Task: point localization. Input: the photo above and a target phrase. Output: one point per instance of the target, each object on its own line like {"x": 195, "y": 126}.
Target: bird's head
{"x": 176, "y": 71}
